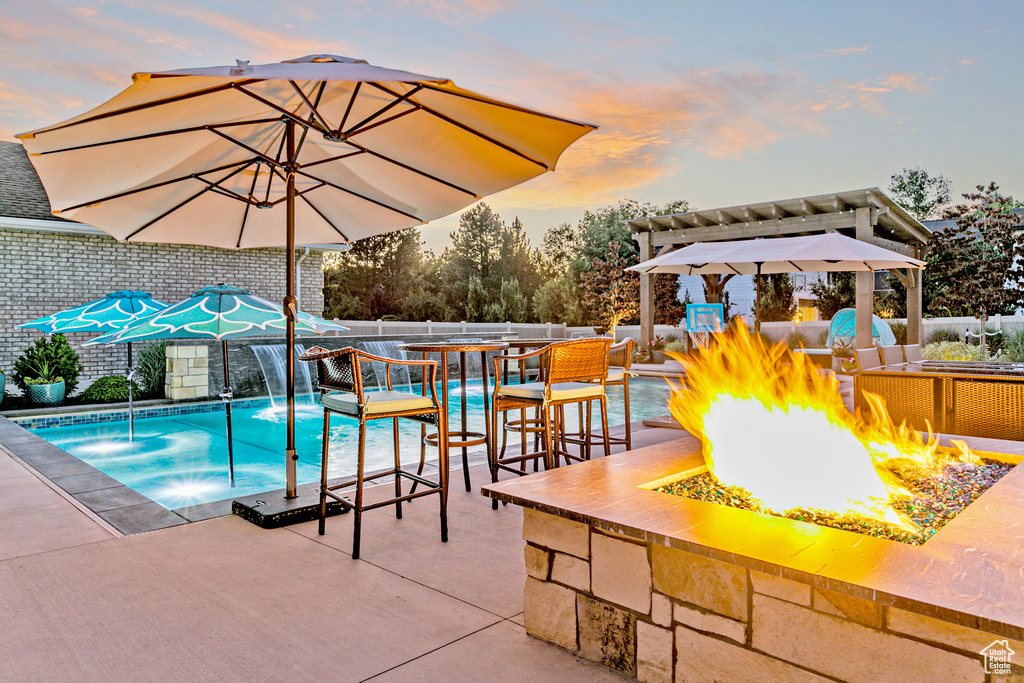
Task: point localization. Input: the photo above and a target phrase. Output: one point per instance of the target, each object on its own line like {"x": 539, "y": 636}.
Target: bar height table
{"x": 461, "y": 439}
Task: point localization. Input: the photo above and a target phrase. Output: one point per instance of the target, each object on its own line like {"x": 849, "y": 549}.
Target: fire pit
{"x": 933, "y": 502}
{"x": 665, "y": 587}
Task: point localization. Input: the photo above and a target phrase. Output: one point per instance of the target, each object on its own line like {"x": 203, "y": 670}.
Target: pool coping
{"x": 129, "y": 511}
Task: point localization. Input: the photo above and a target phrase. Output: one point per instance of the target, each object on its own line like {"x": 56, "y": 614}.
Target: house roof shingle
{"x": 21, "y": 192}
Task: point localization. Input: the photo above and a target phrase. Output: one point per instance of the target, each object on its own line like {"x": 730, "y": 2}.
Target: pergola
{"x": 869, "y": 215}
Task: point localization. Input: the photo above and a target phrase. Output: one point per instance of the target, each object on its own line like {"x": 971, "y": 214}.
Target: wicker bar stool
{"x": 620, "y": 360}
{"x": 339, "y": 377}
{"x": 574, "y": 372}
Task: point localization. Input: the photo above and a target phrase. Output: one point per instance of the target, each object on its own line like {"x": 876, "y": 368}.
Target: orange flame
{"x": 772, "y": 425}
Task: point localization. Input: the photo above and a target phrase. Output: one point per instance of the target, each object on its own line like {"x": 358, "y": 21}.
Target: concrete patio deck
{"x": 225, "y": 600}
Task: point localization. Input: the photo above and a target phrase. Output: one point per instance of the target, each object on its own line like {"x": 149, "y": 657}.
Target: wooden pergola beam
{"x": 765, "y": 228}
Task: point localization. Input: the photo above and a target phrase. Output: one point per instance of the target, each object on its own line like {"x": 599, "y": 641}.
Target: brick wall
{"x": 41, "y": 273}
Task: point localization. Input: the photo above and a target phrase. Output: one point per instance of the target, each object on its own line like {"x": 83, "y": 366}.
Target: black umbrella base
{"x": 272, "y": 510}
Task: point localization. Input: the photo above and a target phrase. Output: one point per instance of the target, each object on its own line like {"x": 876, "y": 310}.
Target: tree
{"x": 612, "y": 292}
{"x": 839, "y": 291}
{"x": 668, "y": 309}
{"x": 973, "y": 264}
{"x": 777, "y": 302}
{"x": 558, "y": 300}
{"x": 486, "y": 249}
{"x": 511, "y": 306}
{"x": 919, "y": 193}
{"x": 375, "y": 276}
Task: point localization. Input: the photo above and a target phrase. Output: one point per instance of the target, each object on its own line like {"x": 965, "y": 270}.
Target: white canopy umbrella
{"x": 827, "y": 252}
{"x": 315, "y": 150}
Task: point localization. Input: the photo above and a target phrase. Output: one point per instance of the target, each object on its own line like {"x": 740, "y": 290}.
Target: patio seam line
{"x": 78, "y": 505}
{"x": 436, "y": 649}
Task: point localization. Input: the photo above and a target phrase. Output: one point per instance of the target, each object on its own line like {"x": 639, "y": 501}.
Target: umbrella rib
{"x": 178, "y": 206}
{"x": 248, "y": 205}
{"x": 325, "y": 218}
{"x": 165, "y": 133}
{"x": 413, "y": 169}
{"x": 191, "y": 176}
{"x": 328, "y": 160}
{"x": 284, "y": 112}
{"x": 360, "y": 196}
{"x": 351, "y": 101}
{"x": 149, "y": 105}
{"x": 394, "y": 103}
{"x": 305, "y": 131}
{"x": 799, "y": 269}
{"x": 504, "y": 105}
{"x": 252, "y": 150}
{"x": 412, "y": 109}
{"x": 299, "y": 194}
{"x": 312, "y": 108}
{"x": 166, "y": 213}
{"x": 472, "y": 131}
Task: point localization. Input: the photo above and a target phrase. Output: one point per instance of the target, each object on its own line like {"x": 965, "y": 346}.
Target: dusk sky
{"x": 718, "y": 103}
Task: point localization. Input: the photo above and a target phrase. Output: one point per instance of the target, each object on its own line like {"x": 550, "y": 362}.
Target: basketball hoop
{"x": 699, "y": 340}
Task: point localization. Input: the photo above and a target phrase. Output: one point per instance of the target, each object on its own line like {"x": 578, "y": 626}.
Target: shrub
{"x": 50, "y": 357}
{"x": 677, "y": 346}
{"x": 798, "y": 340}
{"x": 109, "y": 389}
{"x": 951, "y": 351}
{"x": 944, "y": 335}
{"x": 822, "y": 339}
{"x": 899, "y": 330}
{"x": 1013, "y": 346}
{"x": 151, "y": 369}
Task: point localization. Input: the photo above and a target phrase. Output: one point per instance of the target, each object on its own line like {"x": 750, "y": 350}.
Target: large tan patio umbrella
{"x": 827, "y": 252}
{"x": 316, "y": 150}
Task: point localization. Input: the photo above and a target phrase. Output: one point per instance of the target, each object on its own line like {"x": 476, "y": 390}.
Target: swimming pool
{"x": 181, "y": 460}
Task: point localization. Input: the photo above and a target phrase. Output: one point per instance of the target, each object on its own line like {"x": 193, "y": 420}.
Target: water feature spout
{"x": 272, "y": 362}
{"x": 400, "y": 377}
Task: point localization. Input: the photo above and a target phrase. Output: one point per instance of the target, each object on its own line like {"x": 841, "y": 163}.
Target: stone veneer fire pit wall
{"x": 664, "y": 588}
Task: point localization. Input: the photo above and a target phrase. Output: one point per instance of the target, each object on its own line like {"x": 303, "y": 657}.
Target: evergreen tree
{"x": 777, "y": 302}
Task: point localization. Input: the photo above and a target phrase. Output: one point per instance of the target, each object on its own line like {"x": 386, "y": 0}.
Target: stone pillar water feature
{"x": 187, "y": 374}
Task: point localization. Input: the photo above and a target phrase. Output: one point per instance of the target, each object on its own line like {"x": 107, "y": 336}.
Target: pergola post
{"x": 646, "y": 292}
{"x": 865, "y": 283}
{"x": 915, "y": 306}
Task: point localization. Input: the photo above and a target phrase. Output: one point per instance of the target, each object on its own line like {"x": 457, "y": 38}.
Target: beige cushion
{"x": 377, "y": 402}
{"x": 616, "y": 374}
{"x": 559, "y": 392}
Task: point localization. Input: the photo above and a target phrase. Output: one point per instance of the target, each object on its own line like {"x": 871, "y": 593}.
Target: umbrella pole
{"x": 289, "y": 312}
{"x": 226, "y": 397}
{"x": 131, "y": 408}
{"x": 757, "y": 306}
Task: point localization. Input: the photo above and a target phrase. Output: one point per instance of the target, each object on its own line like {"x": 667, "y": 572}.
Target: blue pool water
{"x": 181, "y": 460}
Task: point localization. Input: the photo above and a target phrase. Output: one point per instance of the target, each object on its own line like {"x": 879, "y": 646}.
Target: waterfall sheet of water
{"x": 473, "y": 368}
{"x": 400, "y": 377}
{"x": 272, "y": 362}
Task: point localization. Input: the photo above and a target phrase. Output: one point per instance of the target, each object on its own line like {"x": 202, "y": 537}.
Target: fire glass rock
{"x": 935, "y": 501}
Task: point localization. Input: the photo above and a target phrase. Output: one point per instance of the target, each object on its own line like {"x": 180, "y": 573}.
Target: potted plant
{"x": 47, "y": 389}
{"x": 843, "y": 357}
{"x": 658, "y": 354}
{"x": 49, "y": 362}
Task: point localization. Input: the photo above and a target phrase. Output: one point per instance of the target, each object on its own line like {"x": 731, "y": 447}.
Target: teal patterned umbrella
{"x": 218, "y": 312}
{"x": 112, "y": 312}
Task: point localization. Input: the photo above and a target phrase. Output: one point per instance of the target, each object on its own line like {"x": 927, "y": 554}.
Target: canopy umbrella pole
{"x": 226, "y": 397}
{"x": 131, "y": 409}
{"x": 757, "y": 305}
{"x": 289, "y": 313}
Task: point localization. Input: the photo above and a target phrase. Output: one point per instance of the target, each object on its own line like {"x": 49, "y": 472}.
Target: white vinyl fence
{"x": 811, "y": 331}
